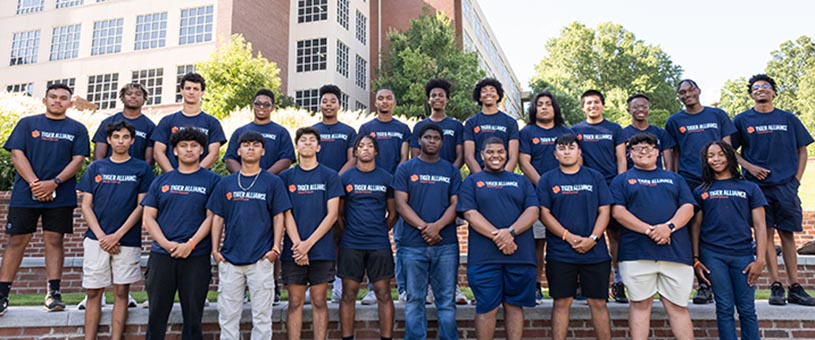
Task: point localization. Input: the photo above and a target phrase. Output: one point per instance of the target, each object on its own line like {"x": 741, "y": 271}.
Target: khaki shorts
{"x": 539, "y": 230}
{"x": 644, "y": 278}
{"x": 98, "y": 266}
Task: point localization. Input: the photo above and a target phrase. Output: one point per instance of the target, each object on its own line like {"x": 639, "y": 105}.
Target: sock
{"x": 617, "y": 276}
{"x": 53, "y": 285}
{"x": 5, "y": 288}
{"x": 384, "y": 338}
{"x": 348, "y": 338}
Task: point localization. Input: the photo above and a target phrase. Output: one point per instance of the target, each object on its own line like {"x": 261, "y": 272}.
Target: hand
{"x": 702, "y": 271}
{"x": 218, "y": 257}
{"x": 43, "y": 190}
{"x": 271, "y": 255}
{"x": 108, "y": 241}
{"x": 301, "y": 248}
{"x": 502, "y": 238}
{"x": 116, "y": 249}
{"x": 753, "y": 271}
{"x": 583, "y": 244}
{"x": 430, "y": 233}
{"x": 661, "y": 234}
{"x": 171, "y": 246}
{"x": 758, "y": 172}
{"x": 182, "y": 251}
{"x": 302, "y": 260}
{"x": 509, "y": 249}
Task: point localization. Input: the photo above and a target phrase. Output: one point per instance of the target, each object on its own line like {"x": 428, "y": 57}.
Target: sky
{"x": 712, "y": 40}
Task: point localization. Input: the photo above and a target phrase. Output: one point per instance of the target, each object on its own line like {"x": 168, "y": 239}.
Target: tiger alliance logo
{"x": 51, "y": 136}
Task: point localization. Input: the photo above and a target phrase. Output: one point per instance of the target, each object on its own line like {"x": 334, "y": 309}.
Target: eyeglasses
{"x": 762, "y": 86}
{"x": 264, "y": 105}
{"x": 639, "y": 149}
{"x": 638, "y": 107}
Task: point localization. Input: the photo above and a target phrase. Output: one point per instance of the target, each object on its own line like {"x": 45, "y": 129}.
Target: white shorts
{"x": 644, "y": 278}
{"x": 98, "y": 266}
{"x": 539, "y": 230}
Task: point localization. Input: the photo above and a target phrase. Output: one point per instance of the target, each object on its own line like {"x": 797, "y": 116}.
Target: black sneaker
{"x": 618, "y": 292}
{"x": 3, "y": 305}
{"x": 276, "y": 295}
{"x": 777, "y": 294}
{"x": 799, "y": 296}
{"x": 704, "y": 295}
{"x": 53, "y": 302}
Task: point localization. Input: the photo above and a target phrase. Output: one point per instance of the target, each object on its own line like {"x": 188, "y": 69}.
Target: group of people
{"x": 652, "y": 206}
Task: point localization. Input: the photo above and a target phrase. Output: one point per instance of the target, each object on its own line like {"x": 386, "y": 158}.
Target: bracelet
{"x": 276, "y": 250}
{"x": 192, "y": 244}
{"x": 696, "y": 257}
{"x": 696, "y": 263}
{"x": 565, "y": 233}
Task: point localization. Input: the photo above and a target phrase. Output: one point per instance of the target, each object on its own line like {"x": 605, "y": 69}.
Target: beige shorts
{"x": 644, "y": 278}
{"x": 98, "y": 266}
{"x": 539, "y": 230}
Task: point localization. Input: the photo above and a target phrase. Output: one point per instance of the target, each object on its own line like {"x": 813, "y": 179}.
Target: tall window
{"x": 182, "y": 70}
{"x": 362, "y": 27}
{"x": 107, "y": 36}
{"x": 67, "y": 81}
{"x": 311, "y": 55}
{"x": 361, "y": 73}
{"x": 24, "y": 88}
{"x": 360, "y": 106}
{"x": 151, "y": 31}
{"x": 29, "y": 6}
{"x": 342, "y": 59}
{"x": 342, "y": 13}
{"x": 65, "y": 42}
{"x": 102, "y": 90}
{"x": 24, "y": 47}
{"x": 152, "y": 79}
{"x": 308, "y": 99}
{"x": 344, "y": 100}
{"x": 68, "y": 3}
{"x": 196, "y": 25}
{"x": 312, "y": 10}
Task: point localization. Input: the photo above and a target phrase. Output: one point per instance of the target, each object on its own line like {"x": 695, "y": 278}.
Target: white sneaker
{"x": 403, "y": 297}
{"x": 369, "y": 299}
{"x": 81, "y": 305}
{"x": 460, "y": 298}
{"x": 429, "y": 298}
{"x": 145, "y": 304}
{"x": 308, "y": 297}
{"x": 131, "y": 302}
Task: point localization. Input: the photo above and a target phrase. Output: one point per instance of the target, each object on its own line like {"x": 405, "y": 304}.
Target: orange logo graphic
{"x": 372, "y": 134}
{"x": 35, "y": 134}
{"x": 751, "y": 129}
{"x": 632, "y": 181}
{"x": 477, "y": 129}
{"x": 165, "y": 188}
{"x": 174, "y": 129}
{"x": 705, "y": 195}
{"x": 292, "y": 188}
{"x": 556, "y": 189}
{"x": 580, "y": 136}
{"x": 480, "y": 184}
{"x": 682, "y": 129}
{"x": 535, "y": 140}
{"x": 98, "y": 178}
{"x": 349, "y": 188}
{"x": 229, "y": 196}
{"x": 414, "y": 178}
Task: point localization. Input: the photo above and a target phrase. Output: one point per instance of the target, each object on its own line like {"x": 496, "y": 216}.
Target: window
{"x": 20, "y": 88}
{"x": 152, "y": 80}
{"x": 102, "y": 90}
{"x": 308, "y": 99}
{"x": 29, "y": 6}
{"x": 311, "y": 55}
{"x": 182, "y": 70}
{"x": 24, "y": 47}
{"x": 342, "y": 59}
{"x": 151, "y": 31}
{"x": 67, "y": 81}
{"x": 342, "y": 13}
{"x": 362, "y": 27}
{"x": 312, "y": 10}
{"x": 362, "y": 73}
{"x": 107, "y": 36}
{"x": 65, "y": 42}
{"x": 360, "y": 106}
{"x": 344, "y": 100}
{"x": 68, "y": 3}
{"x": 196, "y": 25}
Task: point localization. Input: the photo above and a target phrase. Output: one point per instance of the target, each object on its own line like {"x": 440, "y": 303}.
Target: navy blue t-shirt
{"x": 429, "y": 187}
{"x": 309, "y": 192}
{"x": 664, "y": 142}
{"x": 390, "y": 136}
{"x": 115, "y": 188}
{"x": 653, "y": 197}
{"x": 204, "y": 122}
{"x": 564, "y": 195}
{"x": 335, "y": 140}
{"x": 482, "y": 126}
{"x": 598, "y": 143}
{"x": 181, "y": 200}
{"x": 49, "y": 146}
{"x": 248, "y": 214}
{"x": 539, "y": 143}
{"x": 501, "y": 197}
{"x": 277, "y": 143}
{"x": 141, "y": 141}
{"x": 727, "y": 220}
{"x": 771, "y": 141}
{"x": 453, "y": 136}
{"x": 366, "y": 199}
{"x": 692, "y": 132}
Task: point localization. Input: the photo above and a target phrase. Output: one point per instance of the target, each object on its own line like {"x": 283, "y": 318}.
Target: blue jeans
{"x": 437, "y": 265}
{"x": 730, "y": 288}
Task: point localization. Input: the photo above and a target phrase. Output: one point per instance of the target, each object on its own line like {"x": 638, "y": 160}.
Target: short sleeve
{"x": 334, "y": 186}
{"x": 400, "y": 178}
{"x": 685, "y": 196}
{"x": 525, "y": 145}
{"x": 151, "y": 199}
{"x": 542, "y": 191}
{"x": 459, "y": 130}
{"x": 617, "y": 189}
{"x": 215, "y": 202}
{"x": 286, "y": 146}
{"x": 414, "y": 140}
{"x": 216, "y": 132}
{"x": 466, "y": 196}
{"x": 81, "y": 145}
{"x": 352, "y": 137}
{"x": 101, "y": 135}
{"x": 603, "y": 192}
{"x": 468, "y": 129}
{"x": 232, "y": 146}
{"x": 667, "y": 141}
{"x": 512, "y": 129}
{"x": 455, "y": 181}
{"x": 147, "y": 179}
{"x": 16, "y": 141}
{"x": 85, "y": 182}
{"x": 280, "y": 198}
{"x": 162, "y": 132}
{"x": 802, "y": 136}
{"x": 618, "y": 135}
{"x": 727, "y": 127}
{"x": 757, "y": 198}
{"x": 530, "y": 198}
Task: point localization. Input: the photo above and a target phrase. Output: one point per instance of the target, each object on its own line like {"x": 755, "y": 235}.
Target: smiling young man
{"x": 639, "y": 107}
{"x": 438, "y": 95}
{"x": 392, "y": 135}
{"x": 489, "y": 122}
{"x": 133, "y": 96}
{"x": 47, "y": 151}
{"x": 279, "y": 153}
{"x": 500, "y": 207}
{"x": 336, "y": 137}
{"x": 773, "y": 146}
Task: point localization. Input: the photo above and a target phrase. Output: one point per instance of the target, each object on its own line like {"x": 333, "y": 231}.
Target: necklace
{"x": 250, "y": 185}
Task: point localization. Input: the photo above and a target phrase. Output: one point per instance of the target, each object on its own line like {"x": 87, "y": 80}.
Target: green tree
{"x": 233, "y": 76}
{"x": 428, "y": 50}
{"x": 734, "y": 97}
{"x": 610, "y": 59}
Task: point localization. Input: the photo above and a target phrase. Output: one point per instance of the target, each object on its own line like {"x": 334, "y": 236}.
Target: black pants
{"x": 166, "y": 275}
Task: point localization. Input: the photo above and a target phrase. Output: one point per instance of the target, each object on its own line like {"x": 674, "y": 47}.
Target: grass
{"x": 807, "y": 189}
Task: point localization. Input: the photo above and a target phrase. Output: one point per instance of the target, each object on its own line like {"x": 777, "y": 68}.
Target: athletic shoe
{"x": 460, "y": 298}
{"x": 131, "y": 302}
{"x": 81, "y": 304}
{"x": 3, "y": 305}
{"x": 704, "y": 295}
{"x": 369, "y": 299}
{"x": 618, "y": 292}
{"x": 308, "y": 297}
{"x": 538, "y": 296}
{"x": 53, "y": 302}
{"x": 336, "y": 290}
{"x": 276, "y": 295}
{"x": 402, "y": 297}
{"x": 429, "y": 298}
{"x": 777, "y": 294}
{"x": 799, "y": 296}
{"x": 145, "y": 304}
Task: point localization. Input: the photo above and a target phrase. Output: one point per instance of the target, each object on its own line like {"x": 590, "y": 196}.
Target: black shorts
{"x": 352, "y": 264}
{"x": 316, "y": 272}
{"x": 784, "y": 206}
{"x": 24, "y": 220}
{"x": 563, "y": 279}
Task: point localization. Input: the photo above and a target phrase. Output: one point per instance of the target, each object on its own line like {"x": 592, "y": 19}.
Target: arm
{"x": 148, "y": 156}
{"x": 279, "y": 166}
{"x": 113, "y": 239}
{"x": 214, "y": 150}
{"x": 754, "y": 269}
{"x": 100, "y": 150}
{"x": 459, "y": 161}
{"x": 277, "y": 226}
{"x": 403, "y": 152}
{"x": 406, "y": 211}
{"x": 151, "y": 224}
{"x": 802, "y": 163}
{"x": 512, "y": 157}
{"x": 91, "y": 220}
{"x": 525, "y": 161}
{"x": 351, "y": 160}
{"x": 333, "y": 206}
{"x": 619, "y": 152}
{"x": 680, "y": 219}
{"x": 232, "y": 165}
{"x": 668, "y": 159}
{"x": 341, "y": 216}
{"x": 470, "y": 157}
{"x": 23, "y": 166}
{"x": 392, "y": 216}
{"x": 629, "y": 221}
{"x": 217, "y": 227}
{"x": 43, "y": 189}
{"x": 675, "y": 161}
{"x": 502, "y": 237}
{"x": 184, "y": 250}
{"x": 414, "y": 152}
{"x": 160, "y": 155}
{"x": 695, "y": 231}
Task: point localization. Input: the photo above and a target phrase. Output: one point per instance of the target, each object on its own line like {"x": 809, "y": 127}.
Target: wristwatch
{"x": 512, "y": 232}
{"x": 593, "y": 238}
{"x": 672, "y": 226}
{"x": 57, "y": 181}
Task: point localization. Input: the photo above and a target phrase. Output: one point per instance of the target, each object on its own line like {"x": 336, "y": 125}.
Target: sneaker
{"x": 618, "y": 292}
{"x": 460, "y": 298}
{"x": 369, "y": 299}
{"x": 131, "y": 302}
{"x": 53, "y": 302}
{"x": 704, "y": 295}
{"x": 777, "y": 294}
{"x": 276, "y": 295}
{"x": 402, "y": 297}
{"x": 81, "y": 304}
{"x": 3, "y": 305}
{"x": 145, "y": 304}
{"x": 799, "y": 296}
{"x": 538, "y": 296}
{"x": 308, "y": 297}
{"x": 336, "y": 291}
{"x": 429, "y": 299}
